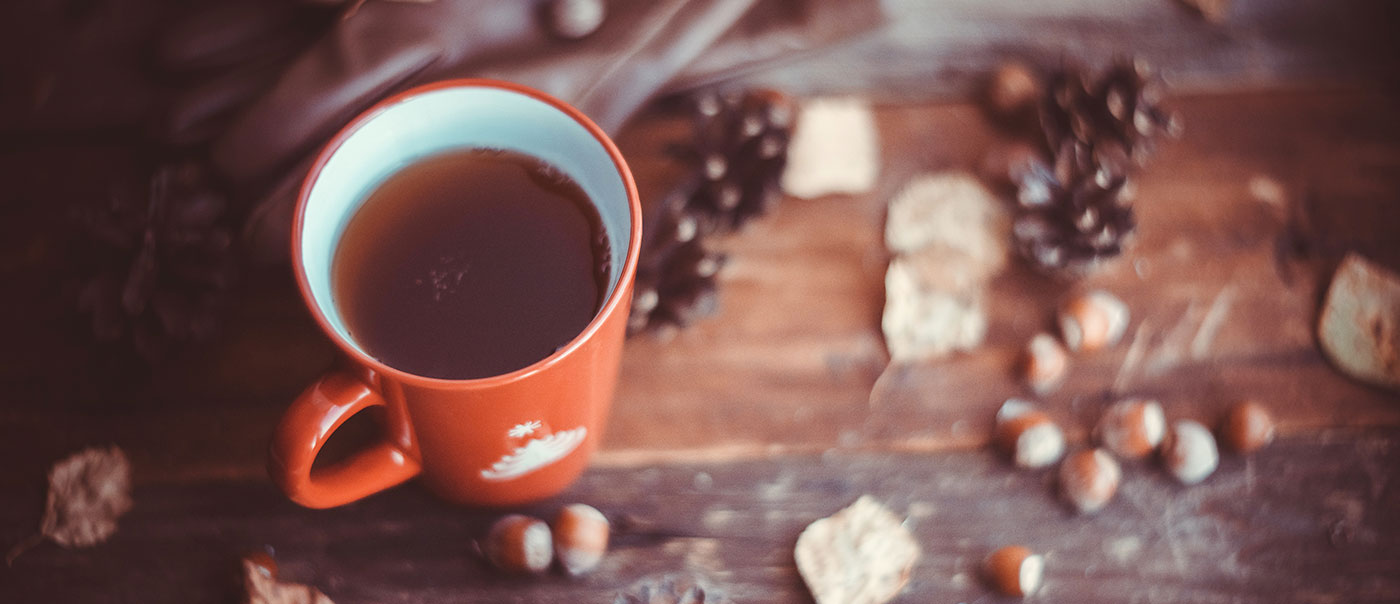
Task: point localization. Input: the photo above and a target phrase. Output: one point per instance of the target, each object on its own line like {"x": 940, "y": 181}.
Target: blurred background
{"x": 150, "y": 153}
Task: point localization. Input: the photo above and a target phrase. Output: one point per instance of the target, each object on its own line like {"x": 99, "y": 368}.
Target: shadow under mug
{"x": 499, "y": 440}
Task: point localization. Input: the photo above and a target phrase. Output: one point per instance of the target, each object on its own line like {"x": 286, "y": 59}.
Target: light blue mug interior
{"x": 441, "y": 120}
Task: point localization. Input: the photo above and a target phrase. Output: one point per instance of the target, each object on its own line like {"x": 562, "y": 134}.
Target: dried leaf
{"x": 87, "y": 493}
{"x": 949, "y": 235}
{"x": 950, "y": 210}
{"x": 859, "y": 555}
{"x": 1359, "y": 328}
{"x": 260, "y": 581}
{"x": 922, "y": 321}
{"x": 835, "y": 149}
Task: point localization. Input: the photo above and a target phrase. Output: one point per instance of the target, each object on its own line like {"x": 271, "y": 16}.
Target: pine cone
{"x": 739, "y": 152}
{"x": 677, "y": 273}
{"x": 1076, "y": 205}
{"x": 741, "y": 144}
{"x": 1070, "y": 221}
{"x": 160, "y": 265}
{"x": 1109, "y": 123}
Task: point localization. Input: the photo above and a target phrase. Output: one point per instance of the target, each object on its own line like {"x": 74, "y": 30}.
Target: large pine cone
{"x": 1076, "y": 197}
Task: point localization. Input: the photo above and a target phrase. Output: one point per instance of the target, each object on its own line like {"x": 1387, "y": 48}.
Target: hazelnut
{"x": 1046, "y": 363}
{"x": 1132, "y": 428}
{"x": 1014, "y": 570}
{"x": 1013, "y": 88}
{"x": 1089, "y": 479}
{"x": 519, "y": 544}
{"x": 1190, "y": 453}
{"x": 1247, "y": 427}
{"x": 574, "y": 19}
{"x": 580, "y": 538}
{"x": 1028, "y": 435}
{"x": 1093, "y": 321}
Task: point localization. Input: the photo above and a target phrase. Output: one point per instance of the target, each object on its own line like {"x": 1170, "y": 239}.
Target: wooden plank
{"x": 1309, "y": 519}
{"x": 942, "y": 49}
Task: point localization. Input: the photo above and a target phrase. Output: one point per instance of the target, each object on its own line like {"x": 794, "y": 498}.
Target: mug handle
{"x": 306, "y": 427}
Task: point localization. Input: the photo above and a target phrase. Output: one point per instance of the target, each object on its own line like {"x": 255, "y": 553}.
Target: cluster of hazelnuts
{"x": 1131, "y": 429}
{"x": 522, "y": 544}
{"x": 1088, "y": 322}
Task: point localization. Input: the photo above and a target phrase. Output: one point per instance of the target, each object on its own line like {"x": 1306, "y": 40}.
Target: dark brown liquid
{"x": 470, "y": 264}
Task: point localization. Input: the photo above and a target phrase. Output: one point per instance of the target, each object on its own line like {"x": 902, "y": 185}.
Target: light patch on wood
{"x": 1137, "y": 349}
{"x": 1123, "y": 549}
{"x": 1168, "y": 354}
{"x": 922, "y": 509}
{"x": 1212, "y": 322}
{"x": 704, "y": 554}
{"x": 1269, "y": 191}
{"x": 717, "y": 520}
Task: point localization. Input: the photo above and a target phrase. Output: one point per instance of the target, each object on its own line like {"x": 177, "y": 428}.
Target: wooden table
{"x": 728, "y": 439}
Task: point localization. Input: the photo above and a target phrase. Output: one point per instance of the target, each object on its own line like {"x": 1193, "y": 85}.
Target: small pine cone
{"x": 739, "y": 150}
{"x": 679, "y": 288}
{"x": 160, "y": 266}
{"x": 740, "y": 146}
{"x": 677, "y": 272}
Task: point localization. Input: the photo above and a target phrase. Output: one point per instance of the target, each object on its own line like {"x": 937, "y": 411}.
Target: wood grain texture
{"x": 1305, "y": 520}
{"x": 941, "y": 49}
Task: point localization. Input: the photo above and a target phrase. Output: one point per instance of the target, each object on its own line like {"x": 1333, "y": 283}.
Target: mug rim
{"x": 608, "y": 308}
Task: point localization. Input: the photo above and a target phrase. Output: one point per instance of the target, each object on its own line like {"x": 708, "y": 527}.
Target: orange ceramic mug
{"x": 497, "y": 440}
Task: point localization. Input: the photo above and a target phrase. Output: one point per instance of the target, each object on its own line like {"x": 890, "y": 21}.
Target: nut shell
{"x": 1028, "y": 436}
{"x": 1190, "y": 453}
{"x": 1247, "y": 427}
{"x": 1014, "y": 570}
{"x": 1132, "y": 428}
{"x": 580, "y": 538}
{"x": 519, "y": 544}
{"x": 1089, "y": 479}
{"x": 1093, "y": 321}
